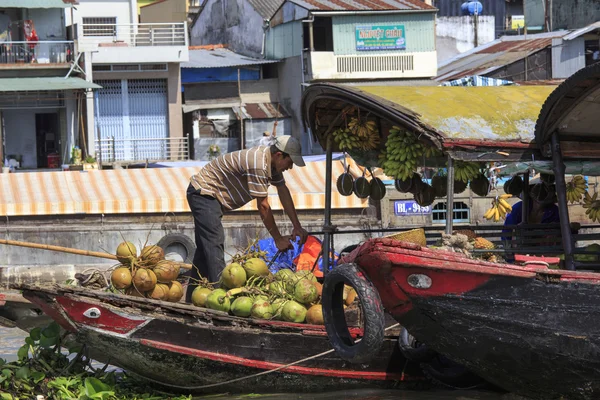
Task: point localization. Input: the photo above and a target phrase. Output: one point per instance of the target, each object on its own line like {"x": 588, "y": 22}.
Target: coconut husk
{"x": 417, "y": 185}
{"x": 514, "y": 186}
{"x": 426, "y": 196}
{"x": 480, "y": 185}
{"x": 345, "y": 183}
{"x": 459, "y": 186}
{"x": 403, "y": 186}
{"x": 362, "y": 187}
{"x": 377, "y": 189}
{"x": 440, "y": 185}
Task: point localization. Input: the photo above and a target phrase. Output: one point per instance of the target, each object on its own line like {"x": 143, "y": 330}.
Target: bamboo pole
{"x": 70, "y": 250}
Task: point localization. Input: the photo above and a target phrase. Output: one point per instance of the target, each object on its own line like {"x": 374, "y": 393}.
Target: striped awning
{"x": 152, "y": 190}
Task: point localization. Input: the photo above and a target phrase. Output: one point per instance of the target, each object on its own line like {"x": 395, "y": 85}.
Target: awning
{"x": 156, "y": 190}
{"x": 50, "y": 83}
{"x": 261, "y": 111}
{"x": 36, "y": 3}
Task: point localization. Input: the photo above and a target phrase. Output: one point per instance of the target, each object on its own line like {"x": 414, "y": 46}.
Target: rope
{"x": 253, "y": 375}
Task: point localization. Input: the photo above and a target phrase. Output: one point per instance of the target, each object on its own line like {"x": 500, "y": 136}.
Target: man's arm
{"x": 266, "y": 214}
{"x": 288, "y": 205}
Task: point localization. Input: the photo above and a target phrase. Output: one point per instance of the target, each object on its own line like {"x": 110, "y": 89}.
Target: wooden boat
{"x": 184, "y": 347}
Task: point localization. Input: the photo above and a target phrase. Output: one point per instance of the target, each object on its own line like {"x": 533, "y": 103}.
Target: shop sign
{"x": 410, "y": 207}
{"x": 380, "y": 37}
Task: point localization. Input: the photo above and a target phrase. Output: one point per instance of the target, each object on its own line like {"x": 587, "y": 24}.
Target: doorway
{"x": 47, "y": 139}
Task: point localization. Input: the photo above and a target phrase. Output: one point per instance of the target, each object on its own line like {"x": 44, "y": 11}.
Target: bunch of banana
{"x": 576, "y": 189}
{"x": 500, "y": 207}
{"x": 367, "y": 131}
{"x": 402, "y": 152}
{"x": 430, "y": 152}
{"x": 593, "y": 206}
{"x": 465, "y": 170}
{"x": 346, "y": 140}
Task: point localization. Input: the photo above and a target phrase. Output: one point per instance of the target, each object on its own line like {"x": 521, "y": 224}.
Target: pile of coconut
{"x": 147, "y": 274}
{"x": 249, "y": 289}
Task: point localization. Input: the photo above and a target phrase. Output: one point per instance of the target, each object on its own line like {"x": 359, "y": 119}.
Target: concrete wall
{"x": 456, "y": 35}
{"x": 124, "y": 10}
{"x": 290, "y": 72}
{"x": 165, "y": 11}
{"x": 20, "y": 135}
{"x": 233, "y": 22}
{"x": 49, "y": 23}
{"x": 574, "y": 14}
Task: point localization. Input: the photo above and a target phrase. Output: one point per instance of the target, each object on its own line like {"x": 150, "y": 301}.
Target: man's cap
{"x": 290, "y": 145}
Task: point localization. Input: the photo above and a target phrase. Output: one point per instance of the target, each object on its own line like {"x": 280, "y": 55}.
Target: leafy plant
{"x": 90, "y": 159}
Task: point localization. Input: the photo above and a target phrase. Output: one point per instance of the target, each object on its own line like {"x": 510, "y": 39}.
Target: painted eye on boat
{"x": 92, "y": 313}
{"x": 419, "y": 281}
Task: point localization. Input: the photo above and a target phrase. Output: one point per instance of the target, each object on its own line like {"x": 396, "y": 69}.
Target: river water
{"x": 12, "y": 339}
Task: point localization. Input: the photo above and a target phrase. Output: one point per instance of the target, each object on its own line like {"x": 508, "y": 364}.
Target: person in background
{"x": 5, "y": 36}
{"x": 230, "y": 181}
{"x": 540, "y": 211}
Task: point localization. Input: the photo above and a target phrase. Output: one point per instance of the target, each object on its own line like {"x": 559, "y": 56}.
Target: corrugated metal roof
{"x": 51, "y": 83}
{"x": 220, "y": 58}
{"x": 494, "y": 55}
{"x": 266, "y": 8}
{"x": 363, "y": 5}
{"x": 575, "y": 34}
{"x": 36, "y": 3}
{"x": 262, "y": 111}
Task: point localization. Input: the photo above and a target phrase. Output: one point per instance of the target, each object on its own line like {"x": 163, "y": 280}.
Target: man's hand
{"x": 300, "y": 232}
{"x": 283, "y": 243}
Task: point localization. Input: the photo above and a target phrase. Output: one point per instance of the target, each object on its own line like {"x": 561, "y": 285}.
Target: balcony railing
{"x": 134, "y": 34}
{"x": 113, "y": 150}
{"x": 40, "y": 52}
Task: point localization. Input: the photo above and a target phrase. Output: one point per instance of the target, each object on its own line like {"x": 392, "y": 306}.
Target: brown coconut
{"x": 152, "y": 254}
{"x": 160, "y": 292}
{"x": 175, "y": 292}
{"x": 132, "y": 291}
{"x": 144, "y": 279}
{"x": 166, "y": 271}
{"x": 314, "y": 315}
{"x": 126, "y": 252}
{"x": 121, "y": 278}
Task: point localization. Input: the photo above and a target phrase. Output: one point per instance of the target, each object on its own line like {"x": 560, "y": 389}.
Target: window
{"x": 99, "y": 26}
{"x": 322, "y": 34}
{"x": 460, "y": 213}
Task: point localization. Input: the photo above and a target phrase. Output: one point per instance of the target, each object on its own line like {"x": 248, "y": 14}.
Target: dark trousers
{"x": 209, "y": 260}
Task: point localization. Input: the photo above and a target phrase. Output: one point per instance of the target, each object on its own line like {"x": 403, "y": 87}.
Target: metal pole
{"x": 563, "y": 209}
{"x": 327, "y": 223}
{"x": 450, "y": 197}
{"x": 526, "y": 199}
{"x": 241, "y": 114}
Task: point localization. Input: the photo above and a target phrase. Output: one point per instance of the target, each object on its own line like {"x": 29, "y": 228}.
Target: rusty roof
{"x": 266, "y": 8}
{"x": 504, "y": 51}
{"x": 262, "y": 111}
{"x": 363, "y": 5}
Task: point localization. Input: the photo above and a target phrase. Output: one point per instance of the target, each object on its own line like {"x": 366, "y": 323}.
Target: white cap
{"x": 290, "y": 145}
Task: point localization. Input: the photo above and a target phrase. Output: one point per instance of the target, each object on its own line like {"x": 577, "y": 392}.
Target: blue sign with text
{"x": 410, "y": 207}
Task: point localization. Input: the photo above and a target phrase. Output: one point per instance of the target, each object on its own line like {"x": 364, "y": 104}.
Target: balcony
{"x": 127, "y": 151}
{"x": 131, "y": 43}
{"x": 40, "y": 54}
{"x": 325, "y": 65}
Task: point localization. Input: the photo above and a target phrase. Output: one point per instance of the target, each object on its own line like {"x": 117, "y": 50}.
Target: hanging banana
{"x": 500, "y": 208}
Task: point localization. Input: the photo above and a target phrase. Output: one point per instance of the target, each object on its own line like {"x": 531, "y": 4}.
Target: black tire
{"x": 412, "y": 349}
{"x": 335, "y": 320}
{"x": 348, "y": 250}
{"x": 174, "y": 239}
{"x": 446, "y": 372}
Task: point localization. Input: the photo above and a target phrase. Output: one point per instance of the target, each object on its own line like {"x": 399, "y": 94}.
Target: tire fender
{"x": 413, "y": 350}
{"x": 179, "y": 239}
{"x": 335, "y": 321}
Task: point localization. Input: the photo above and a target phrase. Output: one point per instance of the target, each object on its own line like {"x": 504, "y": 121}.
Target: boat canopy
{"x": 469, "y": 123}
{"x": 573, "y": 111}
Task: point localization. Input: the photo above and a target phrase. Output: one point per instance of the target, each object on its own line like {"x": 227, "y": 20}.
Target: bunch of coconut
{"x": 147, "y": 274}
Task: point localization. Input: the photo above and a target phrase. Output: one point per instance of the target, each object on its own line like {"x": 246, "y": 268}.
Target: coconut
{"x": 285, "y": 275}
{"x": 319, "y": 287}
{"x": 261, "y": 309}
{"x": 426, "y": 196}
{"x": 305, "y": 292}
{"x": 362, "y": 187}
{"x": 350, "y": 296}
{"x": 152, "y": 254}
{"x": 344, "y": 184}
{"x": 293, "y": 312}
{"x": 277, "y": 307}
{"x": 480, "y": 185}
{"x": 256, "y": 267}
{"x": 314, "y": 315}
{"x": 403, "y": 186}
{"x": 304, "y": 274}
{"x": 242, "y": 306}
{"x": 160, "y": 292}
{"x": 277, "y": 288}
{"x": 166, "y": 271}
{"x": 132, "y": 291}
{"x": 126, "y": 252}
{"x": 121, "y": 278}
{"x": 440, "y": 185}
{"x": 144, "y": 279}
{"x": 233, "y": 276}
{"x": 459, "y": 186}
{"x": 199, "y": 296}
{"x": 218, "y": 300}
{"x": 175, "y": 292}
{"x": 377, "y": 189}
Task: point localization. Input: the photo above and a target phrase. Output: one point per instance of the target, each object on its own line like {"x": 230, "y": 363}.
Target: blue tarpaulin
{"x": 285, "y": 260}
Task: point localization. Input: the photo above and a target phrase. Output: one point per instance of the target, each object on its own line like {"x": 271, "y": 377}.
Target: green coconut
{"x": 218, "y": 300}
{"x": 242, "y": 306}
{"x": 277, "y": 288}
{"x": 293, "y": 312}
{"x": 234, "y": 276}
{"x": 285, "y": 275}
{"x": 199, "y": 296}
{"x": 305, "y": 292}
{"x": 261, "y": 309}
{"x": 304, "y": 274}
{"x": 256, "y": 267}
{"x": 277, "y": 306}
{"x": 126, "y": 252}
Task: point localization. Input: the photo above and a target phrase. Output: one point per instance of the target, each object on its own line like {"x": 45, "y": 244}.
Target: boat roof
{"x": 140, "y": 191}
{"x": 460, "y": 120}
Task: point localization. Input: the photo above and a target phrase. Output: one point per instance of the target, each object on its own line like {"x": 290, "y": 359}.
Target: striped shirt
{"x": 236, "y": 178}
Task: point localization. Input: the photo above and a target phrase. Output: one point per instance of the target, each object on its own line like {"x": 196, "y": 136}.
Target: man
{"x": 227, "y": 183}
